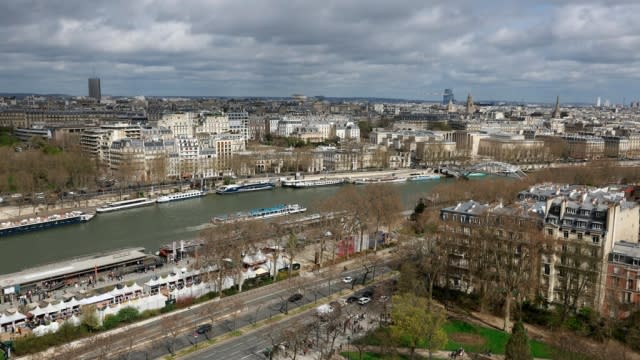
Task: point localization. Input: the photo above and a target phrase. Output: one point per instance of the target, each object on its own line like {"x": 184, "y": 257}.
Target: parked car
{"x": 295, "y": 297}
{"x": 347, "y": 279}
{"x": 352, "y": 299}
{"x": 202, "y": 329}
{"x": 364, "y": 300}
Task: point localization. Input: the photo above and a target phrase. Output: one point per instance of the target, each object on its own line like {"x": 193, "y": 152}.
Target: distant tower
{"x": 556, "y": 110}
{"x": 94, "y": 88}
{"x": 470, "y": 107}
{"x": 448, "y": 97}
{"x": 598, "y": 102}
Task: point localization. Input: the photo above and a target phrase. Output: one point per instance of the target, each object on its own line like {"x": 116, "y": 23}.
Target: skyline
{"x": 522, "y": 51}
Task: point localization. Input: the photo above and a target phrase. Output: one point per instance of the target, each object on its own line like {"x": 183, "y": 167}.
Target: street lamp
{"x": 348, "y": 344}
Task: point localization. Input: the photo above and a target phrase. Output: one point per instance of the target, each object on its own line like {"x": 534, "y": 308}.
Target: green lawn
{"x": 479, "y": 339}
{"x": 375, "y": 356}
{"x": 486, "y": 338}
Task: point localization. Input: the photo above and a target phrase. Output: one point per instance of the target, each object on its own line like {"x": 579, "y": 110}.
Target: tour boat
{"x": 262, "y": 213}
{"x": 238, "y": 188}
{"x": 298, "y": 184}
{"x": 190, "y": 194}
{"x": 125, "y": 204}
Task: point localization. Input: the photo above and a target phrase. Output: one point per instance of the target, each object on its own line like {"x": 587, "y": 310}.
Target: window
{"x": 550, "y": 232}
{"x": 596, "y": 226}
{"x": 571, "y": 210}
{"x": 566, "y": 234}
{"x": 595, "y": 239}
{"x": 547, "y": 269}
{"x": 564, "y": 248}
{"x": 579, "y": 236}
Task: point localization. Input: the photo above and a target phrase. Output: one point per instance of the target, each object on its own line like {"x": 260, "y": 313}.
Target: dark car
{"x": 295, "y": 297}
{"x": 202, "y": 329}
{"x": 352, "y": 299}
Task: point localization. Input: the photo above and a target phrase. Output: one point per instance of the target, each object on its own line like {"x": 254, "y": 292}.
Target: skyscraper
{"x": 598, "y": 101}
{"x": 94, "y": 88}
{"x": 447, "y": 97}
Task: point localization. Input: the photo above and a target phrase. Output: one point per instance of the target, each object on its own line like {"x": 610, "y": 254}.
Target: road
{"x": 252, "y": 345}
{"x": 155, "y": 338}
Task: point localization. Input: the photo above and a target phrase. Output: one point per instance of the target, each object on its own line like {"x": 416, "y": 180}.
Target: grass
{"x": 485, "y": 339}
{"x": 354, "y": 355}
{"x": 494, "y": 340}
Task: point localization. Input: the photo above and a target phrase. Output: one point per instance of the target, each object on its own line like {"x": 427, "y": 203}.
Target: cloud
{"x": 403, "y": 48}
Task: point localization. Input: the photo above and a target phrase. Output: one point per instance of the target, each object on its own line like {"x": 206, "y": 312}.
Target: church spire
{"x": 556, "y": 110}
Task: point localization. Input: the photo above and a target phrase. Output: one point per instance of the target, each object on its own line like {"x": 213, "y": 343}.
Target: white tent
{"x": 11, "y": 318}
{"x": 96, "y": 299}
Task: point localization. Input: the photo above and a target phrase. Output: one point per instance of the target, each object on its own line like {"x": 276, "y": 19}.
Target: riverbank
{"x": 13, "y": 213}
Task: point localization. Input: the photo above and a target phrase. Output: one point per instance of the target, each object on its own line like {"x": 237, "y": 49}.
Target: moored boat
{"x": 239, "y": 188}
{"x": 299, "y": 184}
{"x": 38, "y": 223}
{"x": 380, "y": 180}
{"x": 125, "y": 204}
{"x": 423, "y": 176}
{"x": 262, "y": 213}
{"x": 190, "y": 194}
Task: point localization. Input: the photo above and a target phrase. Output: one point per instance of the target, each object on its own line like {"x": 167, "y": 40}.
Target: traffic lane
{"x": 259, "y": 308}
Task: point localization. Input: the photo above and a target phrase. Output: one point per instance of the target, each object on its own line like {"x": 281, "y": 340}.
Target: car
{"x": 367, "y": 293}
{"x": 384, "y": 298}
{"x": 295, "y": 297}
{"x": 364, "y": 300}
{"x": 203, "y": 329}
{"x": 347, "y": 279}
{"x": 352, "y": 299}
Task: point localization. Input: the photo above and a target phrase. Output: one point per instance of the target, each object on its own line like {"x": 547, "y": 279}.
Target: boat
{"x": 262, "y": 213}
{"x": 423, "y": 176}
{"x": 41, "y": 223}
{"x": 380, "y": 180}
{"x": 475, "y": 174}
{"x": 125, "y": 204}
{"x": 190, "y": 194}
{"x": 299, "y": 184}
{"x": 238, "y": 188}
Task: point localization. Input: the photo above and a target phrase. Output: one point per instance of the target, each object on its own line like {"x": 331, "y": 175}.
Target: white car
{"x": 364, "y": 300}
{"x": 347, "y": 279}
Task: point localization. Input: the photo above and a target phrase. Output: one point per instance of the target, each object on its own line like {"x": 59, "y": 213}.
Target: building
{"x": 584, "y": 146}
{"x": 239, "y": 123}
{"x": 585, "y": 223}
{"x": 94, "y": 89}
{"x": 512, "y": 148}
{"x": 447, "y": 97}
{"x": 623, "y": 279}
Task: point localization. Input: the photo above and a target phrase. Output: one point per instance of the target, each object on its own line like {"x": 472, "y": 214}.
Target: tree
{"x": 414, "y": 323}
{"x": 518, "y": 345}
{"x": 89, "y": 317}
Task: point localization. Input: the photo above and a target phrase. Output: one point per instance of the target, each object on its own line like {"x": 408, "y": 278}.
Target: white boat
{"x": 263, "y": 213}
{"x": 190, "y": 194}
{"x": 298, "y": 184}
{"x": 380, "y": 180}
{"x": 423, "y": 176}
{"x": 125, "y": 204}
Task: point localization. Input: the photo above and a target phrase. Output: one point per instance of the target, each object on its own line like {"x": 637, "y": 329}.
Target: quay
{"x": 41, "y": 280}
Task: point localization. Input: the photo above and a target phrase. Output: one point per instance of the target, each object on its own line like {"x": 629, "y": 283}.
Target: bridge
{"x": 488, "y": 167}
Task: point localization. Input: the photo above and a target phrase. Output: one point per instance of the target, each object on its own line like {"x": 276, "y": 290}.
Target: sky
{"x": 410, "y": 49}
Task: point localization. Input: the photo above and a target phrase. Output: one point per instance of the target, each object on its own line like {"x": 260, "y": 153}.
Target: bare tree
{"x": 171, "y": 325}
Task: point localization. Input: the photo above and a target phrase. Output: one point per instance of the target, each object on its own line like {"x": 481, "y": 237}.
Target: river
{"x": 153, "y": 226}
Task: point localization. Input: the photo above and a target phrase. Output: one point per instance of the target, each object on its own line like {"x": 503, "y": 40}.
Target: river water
{"x": 156, "y": 225}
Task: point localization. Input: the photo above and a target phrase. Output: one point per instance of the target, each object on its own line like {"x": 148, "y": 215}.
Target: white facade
{"x": 180, "y": 124}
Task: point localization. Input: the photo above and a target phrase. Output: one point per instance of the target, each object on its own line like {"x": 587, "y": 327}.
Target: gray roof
{"x": 626, "y": 248}
{"x": 71, "y": 266}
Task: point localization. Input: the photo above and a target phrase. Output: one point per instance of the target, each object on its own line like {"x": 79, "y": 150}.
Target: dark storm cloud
{"x": 403, "y": 48}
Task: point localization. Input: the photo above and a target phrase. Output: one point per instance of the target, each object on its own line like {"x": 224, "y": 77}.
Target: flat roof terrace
{"x": 72, "y": 267}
